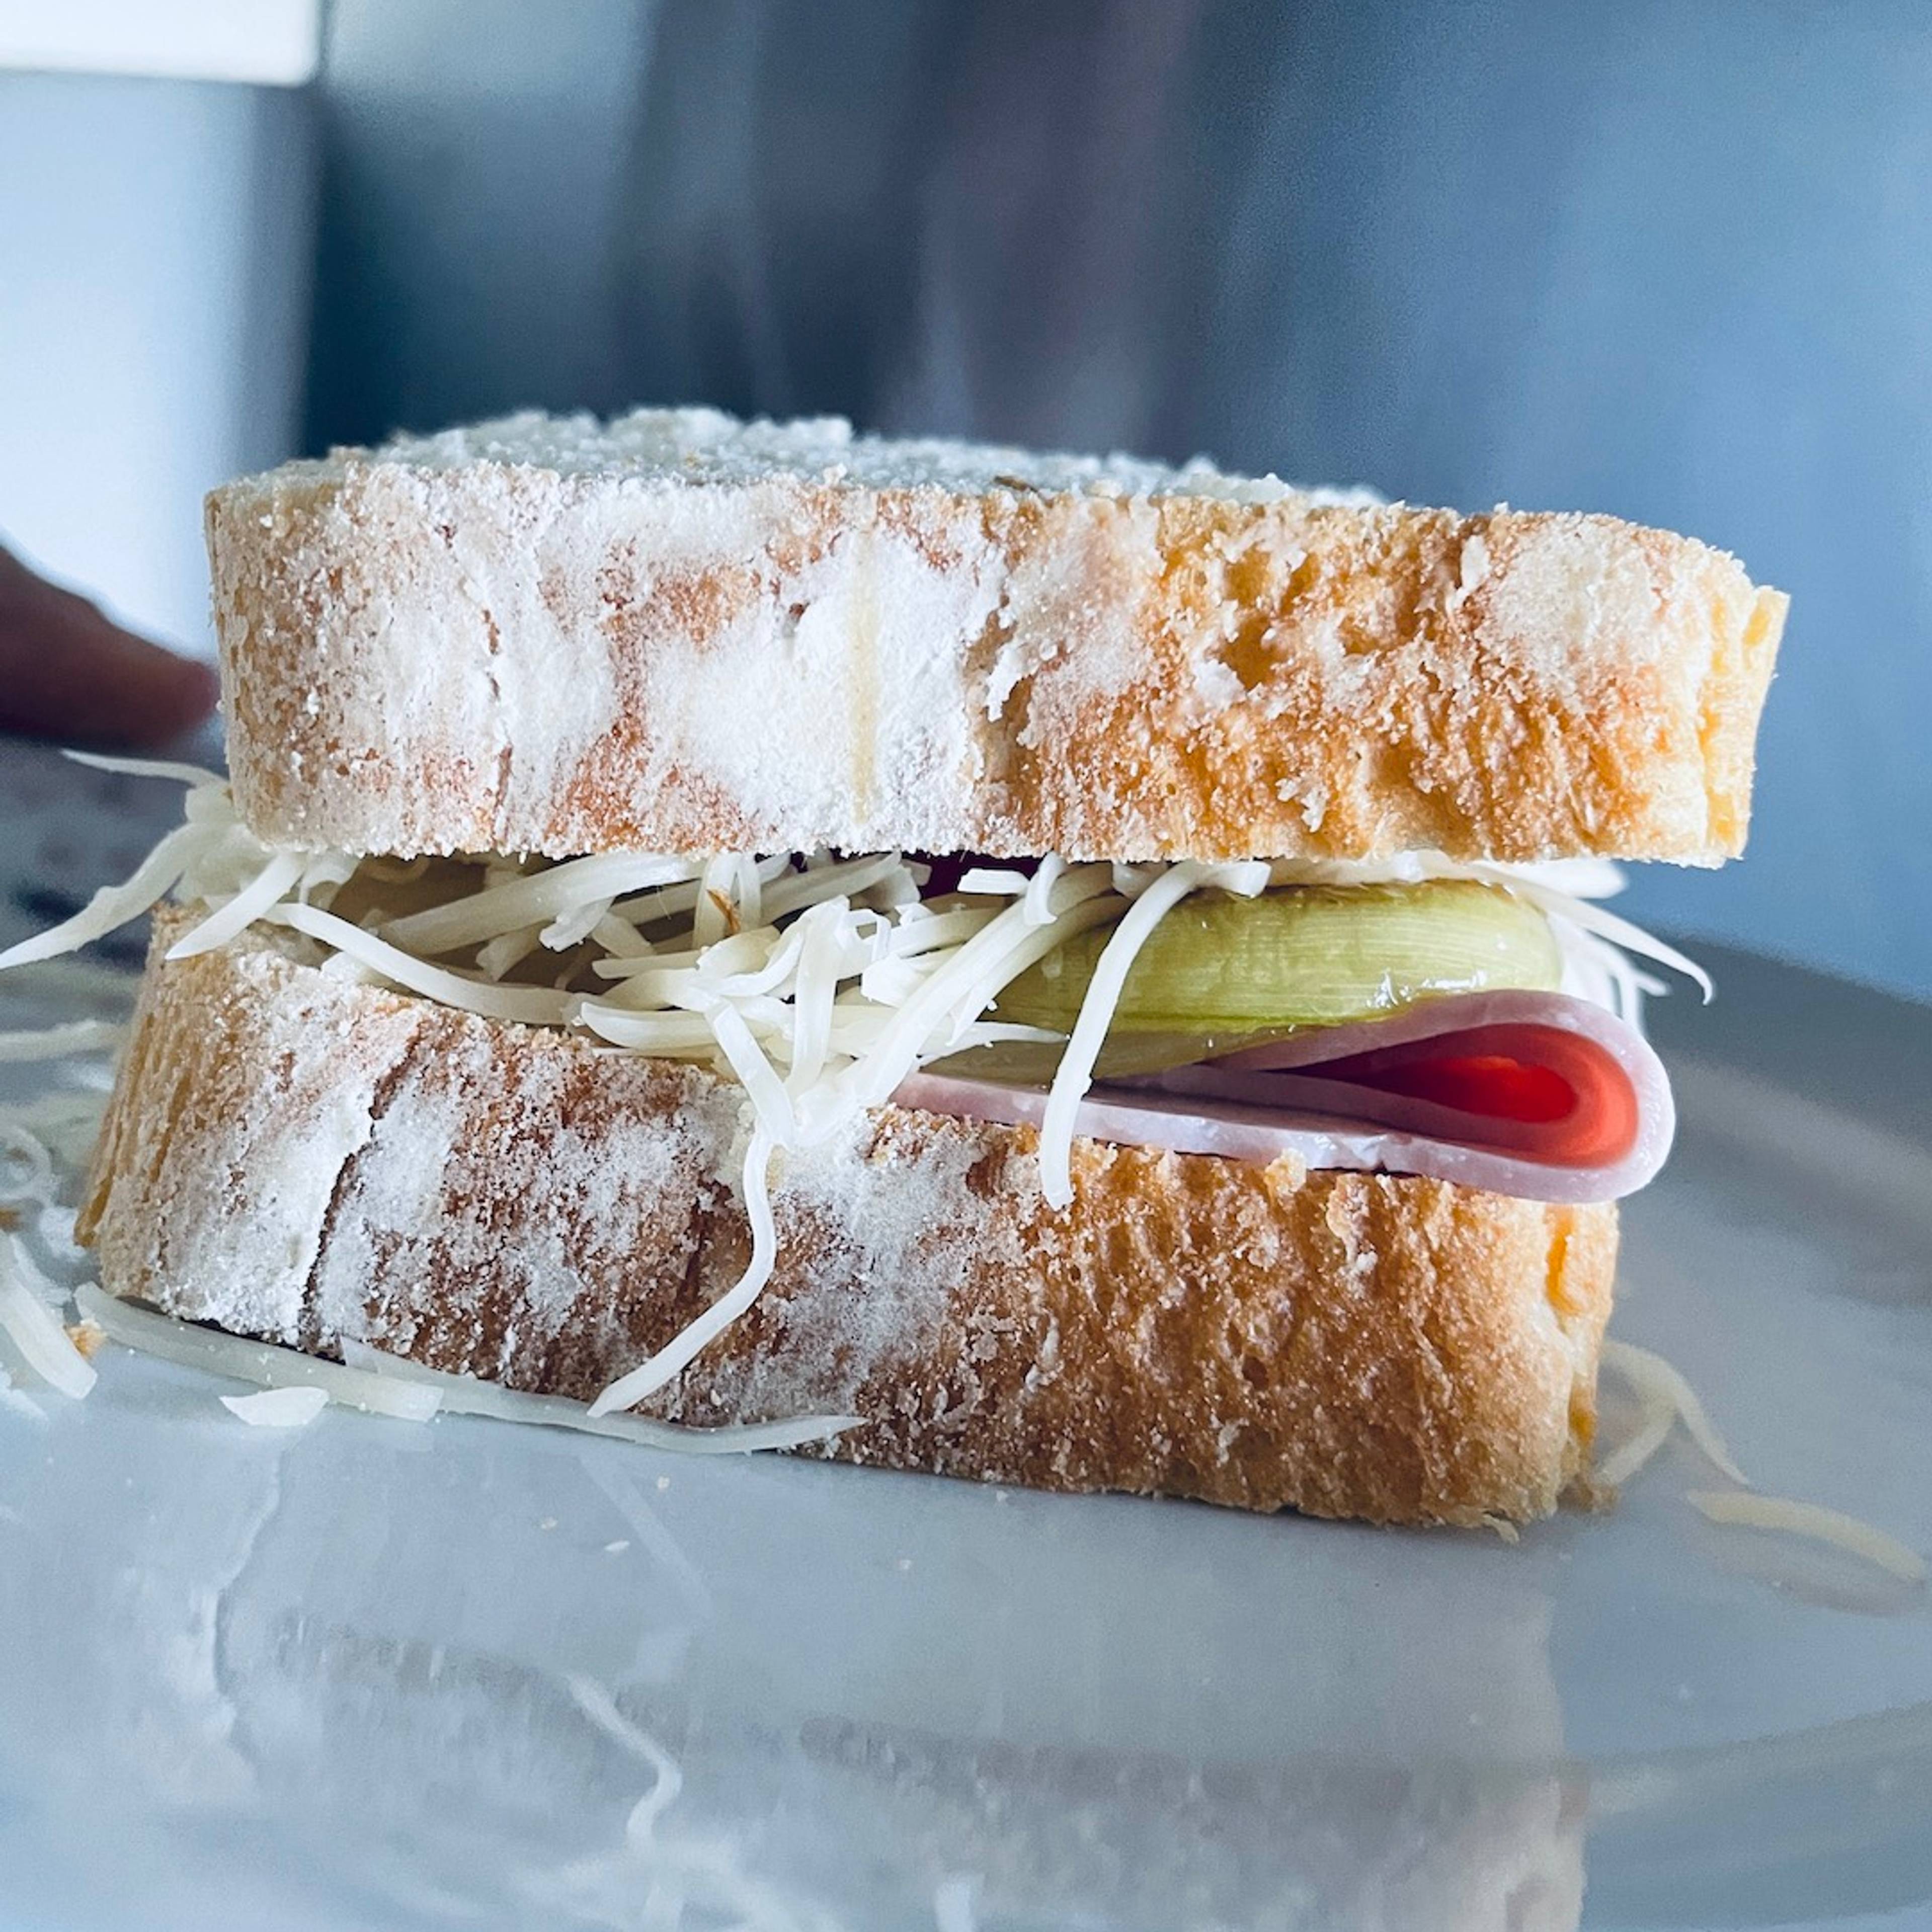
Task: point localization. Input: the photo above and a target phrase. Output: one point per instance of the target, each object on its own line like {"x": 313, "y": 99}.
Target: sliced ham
{"x": 1537, "y": 1095}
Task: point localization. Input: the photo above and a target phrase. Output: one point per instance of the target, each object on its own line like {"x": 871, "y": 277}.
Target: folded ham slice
{"x": 1537, "y": 1095}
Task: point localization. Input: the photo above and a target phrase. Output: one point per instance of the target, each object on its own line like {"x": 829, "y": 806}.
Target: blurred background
{"x": 1671, "y": 263}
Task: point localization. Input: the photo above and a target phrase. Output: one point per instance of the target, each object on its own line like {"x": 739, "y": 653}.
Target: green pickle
{"x": 1219, "y": 973}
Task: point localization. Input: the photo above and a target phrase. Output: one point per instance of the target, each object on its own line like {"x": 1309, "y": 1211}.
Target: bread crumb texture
{"x": 680, "y": 632}
{"x": 299, "y": 1157}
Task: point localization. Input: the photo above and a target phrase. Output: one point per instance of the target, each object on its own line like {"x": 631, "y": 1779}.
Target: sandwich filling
{"x": 1477, "y": 1023}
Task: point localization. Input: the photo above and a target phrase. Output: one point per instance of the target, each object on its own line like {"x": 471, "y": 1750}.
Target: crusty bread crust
{"x": 683, "y": 633}
{"x": 299, "y": 1157}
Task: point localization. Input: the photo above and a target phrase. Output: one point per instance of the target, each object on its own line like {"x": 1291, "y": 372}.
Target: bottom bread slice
{"x": 299, "y": 1157}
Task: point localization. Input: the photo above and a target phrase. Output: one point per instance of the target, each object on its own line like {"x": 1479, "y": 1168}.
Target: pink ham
{"x": 1533, "y": 1094}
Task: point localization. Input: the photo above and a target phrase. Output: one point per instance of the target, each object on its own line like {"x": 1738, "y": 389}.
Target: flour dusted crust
{"x": 294, "y": 1156}
{"x": 678, "y": 631}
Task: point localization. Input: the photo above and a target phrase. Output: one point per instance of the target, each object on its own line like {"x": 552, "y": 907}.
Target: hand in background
{"x": 67, "y": 672}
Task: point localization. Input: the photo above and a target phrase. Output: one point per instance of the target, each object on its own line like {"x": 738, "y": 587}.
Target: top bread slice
{"x": 681, "y": 632}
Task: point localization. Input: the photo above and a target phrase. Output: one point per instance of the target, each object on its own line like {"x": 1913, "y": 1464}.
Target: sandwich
{"x": 1066, "y": 973}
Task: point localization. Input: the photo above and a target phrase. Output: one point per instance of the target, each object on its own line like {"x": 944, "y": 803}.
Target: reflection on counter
{"x": 519, "y": 1682}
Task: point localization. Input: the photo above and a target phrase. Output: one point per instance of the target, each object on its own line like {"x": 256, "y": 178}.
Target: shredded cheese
{"x": 261, "y": 1363}
{"x": 1075, "y": 1074}
{"x": 197, "y": 777}
{"x": 464, "y": 1395}
{"x": 1813, "y": 1519}
{"x": 1652, "y": 1431}
{"x": 269, "y": 886}
{"x": 113, "y": 906}
{"x": 1668, "y": 1398}
{"x": 278, "y": 1407}
{"x": 383, "y": 1384}
{"x": 1040, "y": 889}
{"x": 495, "y": 957}
{"x": 532, "y": 1006}
{"x": 530, "y": 899}
{"x": 714, "y": 915}
{"x": 819, "y": 982}
{"x": 27, "y": 1316}
{"x": 1000, "y": 881}
{"x": 652, "y": 1375}
{"x": 1662, "y": 1385}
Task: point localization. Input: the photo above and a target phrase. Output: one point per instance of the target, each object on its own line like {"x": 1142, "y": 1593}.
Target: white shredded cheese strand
{"x": 976, "y": 973}
{"x": 769, "y": 1101}
{"x": 264, "y": 889}
{"x": 913, "y": 937}
{"x": 598, "y": 1705}
{"x": 1040, "y": 889}
{"x": 114, "y": 906}
{"x": 1813, "y": 1519}
{"x": 197, "y": 777}
{"x": 1075, "y": 1073}
{"x": 34, "y": 1327}
{"x": 815, "y": 992}
{"x": 1658, "y": 1381}
{"x": 1035, "y": 944}
{"x": 384, "y": 1385}
{"x": 712, "y": 978}
{"x": 465, "y": 1395}
{"x": 265, "y": 1363}
{"x": 495, "y": 957}
{"x": 530, "y": 1006}
{"x": 652, "y": 1375}
{"x": 324, "y": 872}
{"x": 57, "y": 1042}
{"x": 1667, "y": 1396}
{"x": 660, "y": 1034}
{"x": 618, "y": 936}
{"x": 845, "y": 880}
{"x": 1593, "y": 918}
{"x": 713, "y": 915}
{"x": 530, "y": 899}
{"x": 1652, "y": 1432}
{"x": 748, "y": 892}
{"x": 1596, "y": 971}
{"x": 278, "y": 1407}
{"x": 996, "y": 882}
{"x": 572, "y": 928}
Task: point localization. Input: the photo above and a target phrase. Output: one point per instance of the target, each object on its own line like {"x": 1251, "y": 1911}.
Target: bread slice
{"x": 682, "y": 632}
{"x": 294, "y": 1155}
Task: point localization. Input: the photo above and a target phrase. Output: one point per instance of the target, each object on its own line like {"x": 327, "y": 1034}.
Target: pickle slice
{"x": 1219, "y": 974}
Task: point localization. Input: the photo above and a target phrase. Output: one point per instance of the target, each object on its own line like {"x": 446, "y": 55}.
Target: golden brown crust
{"x": 441, "y": 649}
{"x": 299, "y": 1157}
